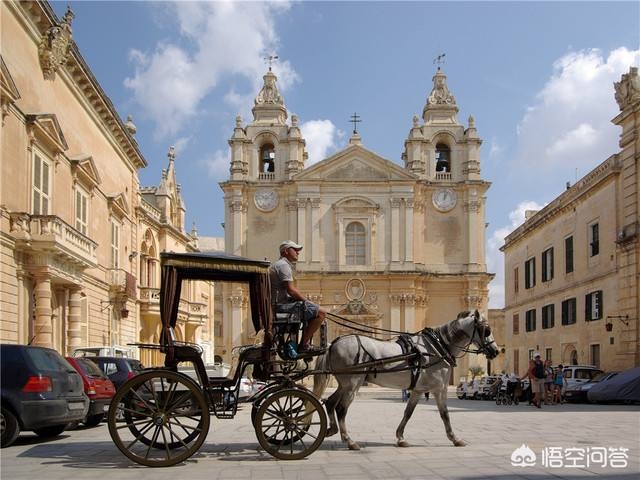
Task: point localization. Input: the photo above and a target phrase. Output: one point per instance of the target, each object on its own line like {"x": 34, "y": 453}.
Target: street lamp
{"x": 623, "y": 318}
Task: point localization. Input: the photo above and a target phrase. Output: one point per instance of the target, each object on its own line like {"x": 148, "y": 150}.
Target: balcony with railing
{"x": 49, "y": 233}
{"x": 446, "y": 176}
{"x": 267, "y": 176}
{"x": 121, "y": 282}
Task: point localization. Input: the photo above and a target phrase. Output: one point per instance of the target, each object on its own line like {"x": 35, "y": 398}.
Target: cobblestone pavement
{"x": 571, "y": 436}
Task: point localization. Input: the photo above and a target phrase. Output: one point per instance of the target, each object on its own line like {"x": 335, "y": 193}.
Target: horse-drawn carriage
{"x": 167, "y": 414}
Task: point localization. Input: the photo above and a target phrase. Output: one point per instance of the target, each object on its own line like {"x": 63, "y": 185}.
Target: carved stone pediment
{"x": 8, "y": 91}
{"x": 44, "y": 128}
{"x": 355, "y": 163}
{"x": 118, "y": 205}
{"x": 84, "y": 169}
{"x": 357, "y": 170}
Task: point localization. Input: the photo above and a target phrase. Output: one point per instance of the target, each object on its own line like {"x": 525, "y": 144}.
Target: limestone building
{"x": 80, "y": 239}
{"x": 571, "y": 269}
{"x": 392, "y": 244}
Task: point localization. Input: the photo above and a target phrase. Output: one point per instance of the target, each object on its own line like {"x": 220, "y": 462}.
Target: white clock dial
{"x": 266, "y": 199}
{"x": 444, "y": 199}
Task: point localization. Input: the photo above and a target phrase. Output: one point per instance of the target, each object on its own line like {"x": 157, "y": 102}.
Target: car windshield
{"x": 45, "y": 359}
{"x": 90, "y": 368}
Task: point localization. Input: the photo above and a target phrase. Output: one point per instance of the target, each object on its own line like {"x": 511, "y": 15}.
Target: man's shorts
{"x": 538, "y": 385}
{"x": 309, "y": 310}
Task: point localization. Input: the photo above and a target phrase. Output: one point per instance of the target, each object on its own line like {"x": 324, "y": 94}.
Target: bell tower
{"x": 265, "y": 154}
{"x": 267, "y": 149}
{"x": 442, "y": 149}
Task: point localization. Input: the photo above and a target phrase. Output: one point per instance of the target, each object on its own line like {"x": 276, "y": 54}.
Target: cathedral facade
{"x": 398, "y": 245}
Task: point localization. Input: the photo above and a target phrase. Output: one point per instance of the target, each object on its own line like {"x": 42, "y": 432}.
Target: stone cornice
{"x": 43, "y": 17}
{"x": 567, "y": 200}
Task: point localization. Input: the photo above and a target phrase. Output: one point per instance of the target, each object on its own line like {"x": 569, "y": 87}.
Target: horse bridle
{"x": 483, "y": 330}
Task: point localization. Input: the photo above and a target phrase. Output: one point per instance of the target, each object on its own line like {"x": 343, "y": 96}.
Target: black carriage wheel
{"x": 498, "y": 399}
{"x": 290, "y": 424}
{"x": 166, "y": 418}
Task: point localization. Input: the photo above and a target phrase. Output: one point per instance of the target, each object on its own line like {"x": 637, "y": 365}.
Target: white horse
{"x": 423, "y": 364}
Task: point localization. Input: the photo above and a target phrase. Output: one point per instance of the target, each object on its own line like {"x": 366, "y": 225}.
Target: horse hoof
{"x": 354, "y": 446}
{"x": 403, "y": 443}
{"x": 460, "y": 443}
{"x": 331, "y": 431}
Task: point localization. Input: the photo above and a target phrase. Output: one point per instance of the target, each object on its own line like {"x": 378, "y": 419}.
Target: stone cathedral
{"x": 398, "y": 245}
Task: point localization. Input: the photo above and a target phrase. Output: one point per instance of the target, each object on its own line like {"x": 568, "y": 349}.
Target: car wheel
{"x": 53, "y": 431}
{"x": 9, "y": 427}
{"x": 93, "y": 420}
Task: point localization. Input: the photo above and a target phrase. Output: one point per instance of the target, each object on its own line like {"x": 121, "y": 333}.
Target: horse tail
{"x": 321, "y": 378}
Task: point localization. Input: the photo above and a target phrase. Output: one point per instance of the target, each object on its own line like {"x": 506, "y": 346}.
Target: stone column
{"x": 408, "y": 216}
{"x": 302, "y": 221}
{"x": 394, "y": 316}
{"x": 410, "y": 313}
{"x": 74, "y": 324}
{"x": 315, "y": 230}
{"x": 395, "y": 229}
{"x": 43, "y": 328}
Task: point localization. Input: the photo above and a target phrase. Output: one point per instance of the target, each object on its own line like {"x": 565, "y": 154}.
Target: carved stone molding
{"x": 628, "y": 89}
{"x": 55, "y": 45}
{"x": 238, "y": 206}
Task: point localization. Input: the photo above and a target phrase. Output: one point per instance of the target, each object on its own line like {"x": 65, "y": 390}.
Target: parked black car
{"x": 118, "y": 369}
{"x": 39, "y": 391}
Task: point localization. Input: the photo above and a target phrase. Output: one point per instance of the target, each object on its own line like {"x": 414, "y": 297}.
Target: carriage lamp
{"x": 623, "y": 318}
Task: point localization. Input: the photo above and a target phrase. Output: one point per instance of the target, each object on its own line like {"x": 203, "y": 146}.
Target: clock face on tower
{"x": 444, "y": 199}
{"x": 266, "y": 199}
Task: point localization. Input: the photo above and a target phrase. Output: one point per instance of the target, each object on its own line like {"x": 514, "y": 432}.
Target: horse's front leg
{"x": 441, "y": 400}
{"x": 408, "y": 411}
{"x": 341, "y": 410}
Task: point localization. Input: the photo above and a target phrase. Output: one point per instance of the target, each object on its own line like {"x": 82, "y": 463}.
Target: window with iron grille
{"x": 516, "y": 280}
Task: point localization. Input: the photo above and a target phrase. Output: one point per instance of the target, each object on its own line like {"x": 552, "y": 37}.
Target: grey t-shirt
{"x": 280, "y": 273}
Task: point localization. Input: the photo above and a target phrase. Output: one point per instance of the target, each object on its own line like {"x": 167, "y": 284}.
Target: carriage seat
{"x": 178, "y": 351}
{"x": 288, "y": 314}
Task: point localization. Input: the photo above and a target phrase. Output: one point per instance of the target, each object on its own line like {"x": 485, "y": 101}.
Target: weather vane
{"x": 355, "y": 119}
{"x": 270, "y": 59}
{"x": 439, "y": 60}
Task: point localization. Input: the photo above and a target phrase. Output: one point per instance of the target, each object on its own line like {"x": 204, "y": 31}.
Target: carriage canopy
{"x": 217, "y": 267}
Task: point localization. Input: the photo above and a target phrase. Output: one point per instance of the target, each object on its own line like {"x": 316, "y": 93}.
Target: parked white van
{"x": 104, "y": 351}
{"x": 577, "y": 374}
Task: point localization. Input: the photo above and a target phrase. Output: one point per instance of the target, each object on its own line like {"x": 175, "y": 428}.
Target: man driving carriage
{"x": 285, "y": 296}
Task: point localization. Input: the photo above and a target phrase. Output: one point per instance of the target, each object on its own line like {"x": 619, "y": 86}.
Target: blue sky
{"x": 537, "y": 76}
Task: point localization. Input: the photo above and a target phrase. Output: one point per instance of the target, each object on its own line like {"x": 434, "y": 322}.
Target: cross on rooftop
{"x": 355, "y": 119}
{"x": 270, "y": 59}
{"x": 439, "y": 60}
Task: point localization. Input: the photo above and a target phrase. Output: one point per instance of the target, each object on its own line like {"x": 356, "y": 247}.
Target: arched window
{"x": 574, "y": 357}
{"x": 267, "y": 158}
{"x": 355, "y": 244}
{"x": 443, "y": 158}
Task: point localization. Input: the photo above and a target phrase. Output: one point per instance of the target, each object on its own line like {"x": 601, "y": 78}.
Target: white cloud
{"x": 495, "y": 149}
{"x": 569, "y": 126}
{"x": 218, "y": 164}
{"x": 320, "y": 136}
{"x": 495, "y": 258}
{"x": 217, "y": 39}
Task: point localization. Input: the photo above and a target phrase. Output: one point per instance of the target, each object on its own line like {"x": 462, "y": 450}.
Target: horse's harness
{"x": 415, "y": 357}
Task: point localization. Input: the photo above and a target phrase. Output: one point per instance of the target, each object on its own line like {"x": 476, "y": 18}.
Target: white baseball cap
{"x": 289, "y": 244}
{"x": 536, "y": 354}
